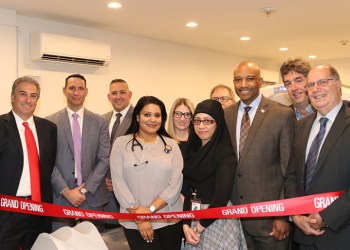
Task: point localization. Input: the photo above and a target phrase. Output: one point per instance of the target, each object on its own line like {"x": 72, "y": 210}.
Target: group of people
{"x": 217, "y": 154}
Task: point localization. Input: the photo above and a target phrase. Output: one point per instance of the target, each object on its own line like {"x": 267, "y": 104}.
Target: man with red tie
{"x": 27, "y": 157}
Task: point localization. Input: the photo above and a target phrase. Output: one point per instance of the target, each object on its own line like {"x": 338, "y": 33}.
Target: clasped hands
{"x": 193, "y": 234}
{"x": 144, "y": 226}
{"x": 310, "y": 225}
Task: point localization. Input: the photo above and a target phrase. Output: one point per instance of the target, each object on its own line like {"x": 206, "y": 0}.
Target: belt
{"x": 25, "y": 197}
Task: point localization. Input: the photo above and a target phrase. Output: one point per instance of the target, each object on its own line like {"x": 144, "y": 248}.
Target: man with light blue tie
{"x": 83, "y": 146}
{"x": 322, "y": 162}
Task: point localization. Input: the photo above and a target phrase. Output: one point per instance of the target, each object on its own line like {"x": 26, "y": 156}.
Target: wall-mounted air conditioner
{"x": 64, "y": 49}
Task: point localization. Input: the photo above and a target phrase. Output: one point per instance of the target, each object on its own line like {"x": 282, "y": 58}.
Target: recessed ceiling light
{"x": 283, "y": 49}
{"x": 312, "y": 56}
{"x": 245, "y": 38}
{"x": 114, "y": 5}
{"x": 191, "y": 24}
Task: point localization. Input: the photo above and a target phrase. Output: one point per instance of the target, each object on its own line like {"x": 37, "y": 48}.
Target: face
{"x": 119, "y": 96}
{"x": 222, "y": 92}
{"x": 204, "y": 132}
{"x": 323, "y": 98}
{"x": 247, "y": 82}
{"x": 75, "y": 92}
{"x": 24, "y": 100}
{"x": 182, "y": 123}
{"x": 149, "y": 119}
{"x": 295, "y": 84}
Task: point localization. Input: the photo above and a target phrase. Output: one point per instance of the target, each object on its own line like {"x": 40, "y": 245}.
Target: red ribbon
{"x": 300, "y": 205}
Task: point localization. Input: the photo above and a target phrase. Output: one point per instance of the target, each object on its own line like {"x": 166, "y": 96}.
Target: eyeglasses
{"x": 187, "y": 115}
{"x": 239, "y": 79}
{"x": 221, "y": 98}
{"x": 205, "y": 122}
{"x": 321, "y": 82}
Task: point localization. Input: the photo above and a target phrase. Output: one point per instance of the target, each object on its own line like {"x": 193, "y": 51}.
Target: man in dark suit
{"x": 119, "y": 95}
{"x": 330, "y": 171}
{"x": 294, "y": 73}
{"x": 79, "y": 186}
{"x": 264, "y": 171}
{"x": 21, "y": 230}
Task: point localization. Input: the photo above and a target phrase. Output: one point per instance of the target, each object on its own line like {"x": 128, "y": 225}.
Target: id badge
{"x": 195, "y": 204}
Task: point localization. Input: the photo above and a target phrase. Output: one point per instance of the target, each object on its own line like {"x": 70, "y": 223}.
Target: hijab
{"x": 201, "y": 161}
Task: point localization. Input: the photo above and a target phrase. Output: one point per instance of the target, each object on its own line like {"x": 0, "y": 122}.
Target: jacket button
{"x": 239, "y": 175}
{"x": 241, "y": 197}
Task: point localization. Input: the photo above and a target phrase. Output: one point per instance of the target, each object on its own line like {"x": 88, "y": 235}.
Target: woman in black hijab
{"x": 209, "y": 171}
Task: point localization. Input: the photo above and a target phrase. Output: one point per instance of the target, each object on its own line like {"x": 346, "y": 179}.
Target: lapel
{"x": 85, "y": 139}
{"x": 124, "y": 125}
{"x": 40, "y": 130}
{"x": 260, "y": 115}
{"x": 63, "y": 122}
{"x": 11, "y": 126}
{"x": 341, "y": 122}
{"x": 234, "y": 126}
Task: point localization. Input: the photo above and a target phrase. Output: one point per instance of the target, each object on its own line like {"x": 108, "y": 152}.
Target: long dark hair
{"x": 142, "y": 102}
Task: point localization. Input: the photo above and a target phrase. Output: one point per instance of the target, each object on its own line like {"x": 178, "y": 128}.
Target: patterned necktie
{"x": 33, "y": 159}
{"x": 313, "y": 153}
{"x": 115, "y": 127}
{"x": 77, "y": 147}
{"x": 245, "y": 125}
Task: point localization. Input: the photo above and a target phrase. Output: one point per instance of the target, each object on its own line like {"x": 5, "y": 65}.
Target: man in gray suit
{"x": 119, "y": 95}
{"x": 324, "y": 167}
{"x": 263, "y": 146}
{"x": 79, "y": 185}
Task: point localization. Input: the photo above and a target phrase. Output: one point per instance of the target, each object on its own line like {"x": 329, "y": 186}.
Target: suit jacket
{"x": 332, "y": 173}
{"x": 264, "y": 171}
{"x": 11, "y": 157}
{"x": 95, "y": 146}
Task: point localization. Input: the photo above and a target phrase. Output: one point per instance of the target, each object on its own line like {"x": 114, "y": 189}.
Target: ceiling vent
{"x": 64, "y": 49}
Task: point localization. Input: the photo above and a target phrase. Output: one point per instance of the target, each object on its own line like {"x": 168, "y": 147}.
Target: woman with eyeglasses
{"x": 146, "y": 168}
{"x": 179, "y": 121}
{"x": 209, "y": 169}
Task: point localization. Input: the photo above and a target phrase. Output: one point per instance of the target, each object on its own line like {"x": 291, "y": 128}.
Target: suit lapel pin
{"x": 262, "y": 110}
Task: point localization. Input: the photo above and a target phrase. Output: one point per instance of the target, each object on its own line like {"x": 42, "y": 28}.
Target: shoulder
{"x": 53, "y": 117}
{"x": 45, "y": 122}
{"x": 276, "y": 107}
{"x": 107, "y": 115}
{"x": 95, "y": 116}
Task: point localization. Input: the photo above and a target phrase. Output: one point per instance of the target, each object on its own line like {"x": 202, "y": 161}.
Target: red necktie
{"x": 33, "y": 159}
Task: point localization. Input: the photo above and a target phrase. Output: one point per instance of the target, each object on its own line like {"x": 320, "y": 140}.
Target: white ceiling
{"x": 304, "y": 26}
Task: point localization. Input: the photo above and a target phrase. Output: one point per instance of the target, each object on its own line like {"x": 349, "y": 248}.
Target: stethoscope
{"x": 135, "y": 142}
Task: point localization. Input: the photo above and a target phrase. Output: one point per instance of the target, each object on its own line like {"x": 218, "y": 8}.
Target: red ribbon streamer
{"x": 300, "y": 205}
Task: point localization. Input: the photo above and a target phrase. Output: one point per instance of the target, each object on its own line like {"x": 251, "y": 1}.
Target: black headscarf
{"x": 200, "y": 161}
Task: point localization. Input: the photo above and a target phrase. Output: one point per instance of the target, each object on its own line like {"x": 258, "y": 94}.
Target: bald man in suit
{"x": 95, "y": 147}
{"x": 21, "y": 230}
{"x": 330, "y": 228}
{"x": 264, "y": 171}
{"x": 119, "y": 96}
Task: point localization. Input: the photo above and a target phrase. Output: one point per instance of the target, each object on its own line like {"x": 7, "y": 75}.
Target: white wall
{"x": 151, "y": 67}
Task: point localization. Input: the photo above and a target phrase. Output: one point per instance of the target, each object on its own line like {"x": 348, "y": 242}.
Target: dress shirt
{"x": 114, "y": 117}
{"x": 254, "y": 107}
{"x": 309, "y": 109}
{"x": 331, "y": 115}
{"x": 24, "y": 188}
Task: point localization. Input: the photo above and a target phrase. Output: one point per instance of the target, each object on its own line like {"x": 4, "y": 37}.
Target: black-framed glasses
{"x": 321, "y": 82}
{"x": 239, "y": 79}
{"x": 205, "y": 121}
{"x": 221, "y": 98}
{"x": 187, "y": 115}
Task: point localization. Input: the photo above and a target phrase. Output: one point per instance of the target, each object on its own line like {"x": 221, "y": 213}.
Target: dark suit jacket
{"x": 264, "y": 171}
{"x": 332, "y": 174}
{"x": 95, "y": 146}
{"x": 11, "y": 156}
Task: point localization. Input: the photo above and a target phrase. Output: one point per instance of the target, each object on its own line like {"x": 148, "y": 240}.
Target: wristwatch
{"x": 152, "y": 208}
{"x": 83, "y": 191}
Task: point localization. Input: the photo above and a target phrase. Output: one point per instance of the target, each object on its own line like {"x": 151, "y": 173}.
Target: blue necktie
{"x": 313, "y": 153}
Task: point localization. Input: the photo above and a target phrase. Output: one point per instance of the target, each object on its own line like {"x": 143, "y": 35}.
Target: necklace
{"x": 150, "y": 147}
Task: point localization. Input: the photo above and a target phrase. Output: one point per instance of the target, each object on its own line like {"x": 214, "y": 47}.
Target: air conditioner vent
{"x": 67, "y": 59}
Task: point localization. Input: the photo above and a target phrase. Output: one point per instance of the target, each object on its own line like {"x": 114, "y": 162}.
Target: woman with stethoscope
{"x": 146, "y": 167}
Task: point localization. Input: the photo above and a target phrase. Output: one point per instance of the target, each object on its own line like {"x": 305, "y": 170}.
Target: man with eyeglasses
{"x": 223, "y": 94}
{"x": 262, "y": 133}
{"x": 322, "y": 162}
{"x": 294, "y": 73}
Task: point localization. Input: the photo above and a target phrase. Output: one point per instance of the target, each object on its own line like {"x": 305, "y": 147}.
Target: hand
{"x": 319, "y": 222}
{"x": 280, "y": 229}
{"x": 146, "y": 230}
{"x": 109, "y": 185}
{"x": 304, "y": 223}
{"x": 191, "y": 236}
{"x": 74, "y": 196}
